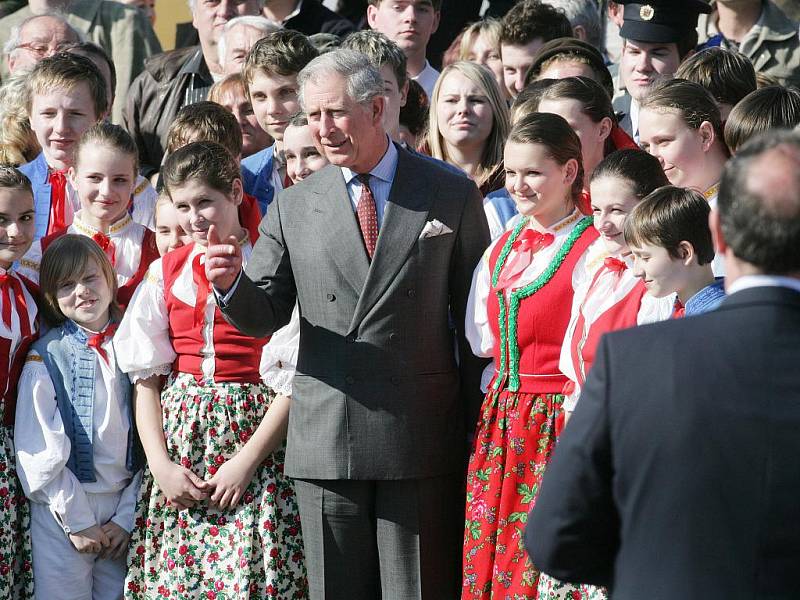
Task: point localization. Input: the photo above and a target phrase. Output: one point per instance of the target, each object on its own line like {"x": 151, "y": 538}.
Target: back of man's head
{"x": 759, "y": 203}
{"x": 532, "y": 19}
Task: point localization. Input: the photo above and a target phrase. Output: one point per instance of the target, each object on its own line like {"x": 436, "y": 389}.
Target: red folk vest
{"x": 149, "y": 253}
{"x": 584, "y": 341}
{"x": 11, "y": 368}
{"x": 531, "y": 324}
{"x": 237, "y": 356}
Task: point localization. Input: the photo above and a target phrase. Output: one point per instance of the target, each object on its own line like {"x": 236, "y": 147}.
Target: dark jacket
{"x": 678, "y": 474}
{"x": 157, "y": 95}
{"x": 316, "y": 18}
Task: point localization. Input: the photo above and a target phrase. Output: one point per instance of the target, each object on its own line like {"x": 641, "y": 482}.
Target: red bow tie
{"x": 107, "y": 246}
{"x": 12, "y": 290}
{"x": 96, "y": 341}
{"x": 679, "y": 310}
{"x": 58, "y": 201}
{"x": 615, "y": 265}
{"x": 531, "y": 240}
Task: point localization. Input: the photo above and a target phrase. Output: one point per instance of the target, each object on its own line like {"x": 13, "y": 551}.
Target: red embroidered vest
{"x": 11, "y": 367}
{"x": 622, "y": 315}
{"x": 250, "y": 216}
{"x": 237, "y": 356}
{"x": 531, "y": 324}
{"x": 149, "y": 253}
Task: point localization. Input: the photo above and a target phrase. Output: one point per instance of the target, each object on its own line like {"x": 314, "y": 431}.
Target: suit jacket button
{"x": 411, "y": 293}
{"x": 349, "y": 380}
{"x": 330, "y": 297}
{"x": 350, "y": 339}
{"x": 392, "y": 337}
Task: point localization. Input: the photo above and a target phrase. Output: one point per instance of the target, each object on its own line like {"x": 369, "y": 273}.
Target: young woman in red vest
{"x": 518, "y": 313}
{"x": 104, "y": 177}
{"x": 216, "y": 516}
{"x": 612, "y": 298}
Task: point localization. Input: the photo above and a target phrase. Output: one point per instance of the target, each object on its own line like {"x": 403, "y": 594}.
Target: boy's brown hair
{"x": 13, "y": 179}
{"x": 668, "y": 216}
{"x": 437, "y": 4}
{"x": 66, "y": 259}
{"x": 207, "y": 162}
{"x": 283, "y": 52}
{"x": 64, "y": 71}
{"x": 771, "y": 107}
{"x": 205, "y": 122}
{"x": 729, "y": 76}
{"x": 531, "y": 19}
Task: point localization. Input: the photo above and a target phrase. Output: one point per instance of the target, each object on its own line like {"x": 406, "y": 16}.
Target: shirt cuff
{"x": 223, "y": 299}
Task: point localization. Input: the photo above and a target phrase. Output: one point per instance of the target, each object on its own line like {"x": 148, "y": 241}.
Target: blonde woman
{"x": 18, "y": 143}
{"x": 480, "y": 43}
{"x": 468, "y": 123}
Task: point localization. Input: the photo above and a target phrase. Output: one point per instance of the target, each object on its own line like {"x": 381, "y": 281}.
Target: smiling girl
{"x": 216, "y": 513}
{"x": 518, "y": 312}
{"x": 18, "y": 326}
{"x": 104, "y": 176}
{"x": 302, "y": 156}
{"x": 74, "y": 431}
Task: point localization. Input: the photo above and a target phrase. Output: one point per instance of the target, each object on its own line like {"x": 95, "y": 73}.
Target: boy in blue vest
{"x": 270, "y": 74}
{"x": 66, "y": 96}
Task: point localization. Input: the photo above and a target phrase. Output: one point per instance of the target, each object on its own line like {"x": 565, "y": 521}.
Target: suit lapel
{"x": 339, "y": 229}
{"x": 403, "y": 220}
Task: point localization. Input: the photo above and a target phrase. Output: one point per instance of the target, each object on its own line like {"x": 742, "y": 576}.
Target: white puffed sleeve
{"x": 142, "y": 343}
{"x": 476, "y": 328}
{"x": 43, "y": 449}
{"x": 279, "y": 356}
{"x": 144, "y": 203}
{"x": 126, "y": 508}
{"x": 653, "y": 310}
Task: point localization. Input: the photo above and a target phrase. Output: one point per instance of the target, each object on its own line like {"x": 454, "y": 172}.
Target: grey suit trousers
{"x": 383, "y": 540}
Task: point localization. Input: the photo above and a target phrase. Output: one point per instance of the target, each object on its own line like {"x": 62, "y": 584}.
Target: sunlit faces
{"x": 680, "y": 149}
{"x": 209, "y": 16}
{"x": 408, "y": 23}
{"x": 561, "y": 69}
{"x": 274, "y": 99}
{"x": 662, "y": 274}
{"x": 104, "y": 69}
{"x": 592, "y": 135}
{"x": 463, "y": 111}
{"x": 539, "y": 186}
{"x": 348, "y": 133}
{"x": 516, "y": 62}
{"x": 199, "y": 206}
{"x": 58, "y": 118}
{"x": 104, "y": 178}
{"x": 169, "y": 233}
{"x": 302, "y": 157}
{"x": 238, "y": 41}
{"x": 39, "y": 38}
{"x": 85, "y": 299}
{"x": 485, "y": 53}
{"x": 16, "y": 225}
{"x": 643, "y": 63}
{"x": 395, "y": 100}
{"x": 612, "y": 200}
{"x": 254, "y": 138}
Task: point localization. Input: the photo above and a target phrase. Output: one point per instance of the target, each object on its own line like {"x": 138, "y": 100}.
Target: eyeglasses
{"x": 44, "y": 50}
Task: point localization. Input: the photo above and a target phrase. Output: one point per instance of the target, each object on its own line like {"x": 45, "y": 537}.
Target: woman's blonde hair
{"x": 18, "y": 144}
{"x": 493, "y": 148}
{"x": 66, "y": 259}
{"x": 488, "y": 27}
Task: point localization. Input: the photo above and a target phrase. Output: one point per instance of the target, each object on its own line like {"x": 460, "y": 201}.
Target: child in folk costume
{"x": 169, "y": 233}
{"x": 18, "y": 326}
{"x": 74, "y": 430}
{"x": 518, "y": 312}
{"x": 104, "y": 173}
{"x": 669, "y": 236}
{"x": 216, "y": 516}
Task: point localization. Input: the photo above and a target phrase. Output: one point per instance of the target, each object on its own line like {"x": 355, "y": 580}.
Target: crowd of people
{"x": 290, "y": 312}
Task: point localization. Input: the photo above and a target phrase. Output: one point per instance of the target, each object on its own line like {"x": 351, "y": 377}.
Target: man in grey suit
{"x": 378, "y": 250}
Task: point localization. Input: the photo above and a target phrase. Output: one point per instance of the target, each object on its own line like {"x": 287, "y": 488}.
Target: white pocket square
{"x": 434, "y": 228}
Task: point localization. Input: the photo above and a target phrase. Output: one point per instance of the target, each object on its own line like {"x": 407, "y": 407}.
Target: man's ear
{"x": 372, "y": 12}
{"x": 579, "y": 32}
{"x": 404, "y": 93}
{"x": 715, "y": 224}
{"x": 686, "y": 252}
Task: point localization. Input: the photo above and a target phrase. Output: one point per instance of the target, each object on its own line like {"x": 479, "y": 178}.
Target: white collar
{"x": 752, "y": 281}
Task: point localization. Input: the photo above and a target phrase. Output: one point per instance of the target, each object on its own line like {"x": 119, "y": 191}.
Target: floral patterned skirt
{"x": 254, "y": 550}
{"x": 16, "y": 575}
{"x": 553, "y": 589}
{"x": 515, "y": 437}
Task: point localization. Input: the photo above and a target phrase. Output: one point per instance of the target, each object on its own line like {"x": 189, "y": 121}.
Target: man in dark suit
{"x": 378, "y": 250}
{"x": 678, "y": 474}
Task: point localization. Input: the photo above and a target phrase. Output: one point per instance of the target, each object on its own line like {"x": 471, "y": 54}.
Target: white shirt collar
{"x": 385, "y": 168}
{"x": 752, "y": 281}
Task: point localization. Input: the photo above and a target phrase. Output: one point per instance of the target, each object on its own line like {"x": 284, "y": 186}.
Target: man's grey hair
{"x": 586, "y": 14}
{"x": 193, "y": 3}
{"x": 364, "y": 81}
{"x": 13, "y": 41}
{"x": 257, "y": 22}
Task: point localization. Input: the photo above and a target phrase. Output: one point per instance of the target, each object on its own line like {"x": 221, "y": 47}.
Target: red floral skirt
{"x": 515, "y": 437}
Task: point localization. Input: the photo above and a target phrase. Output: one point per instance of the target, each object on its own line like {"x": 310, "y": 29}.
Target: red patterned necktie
{"x": 12, "y": 291}
{"x": 58, "y": 202}
{"x": 525, "y": 247}
{"x": 287, "y": 181}
{"x": 96, "y": 341}
{"x": 203, "y": 288}
{"x": 679, "y": 310}
{"x": 615, "y": 265}
{"x": 107, "y": 246}
{"x": 367, "y": 214}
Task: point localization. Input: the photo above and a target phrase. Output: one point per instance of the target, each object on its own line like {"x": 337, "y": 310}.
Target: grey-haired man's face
{"x": 38, "y": 39}
{"x": 209, "y": 16}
